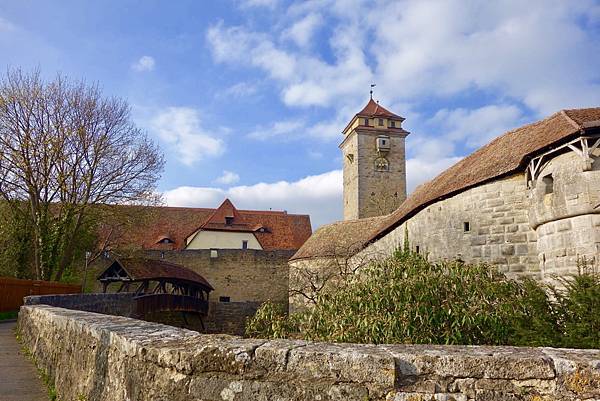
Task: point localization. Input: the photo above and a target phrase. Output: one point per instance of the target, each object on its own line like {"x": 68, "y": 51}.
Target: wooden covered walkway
{"x": 19, "y": 380}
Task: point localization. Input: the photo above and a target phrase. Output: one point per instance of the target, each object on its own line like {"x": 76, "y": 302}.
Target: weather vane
{"x": 371, "y": 91}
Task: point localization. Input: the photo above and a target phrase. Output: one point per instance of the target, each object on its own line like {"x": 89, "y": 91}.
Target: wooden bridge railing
{"x": 13, "y": 290}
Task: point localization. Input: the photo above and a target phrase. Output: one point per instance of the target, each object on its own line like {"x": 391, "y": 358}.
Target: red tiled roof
{"x": 283, "y": 231}
{"x": 373, "y": 109}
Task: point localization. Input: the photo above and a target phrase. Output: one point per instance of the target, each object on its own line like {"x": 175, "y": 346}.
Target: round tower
{"x": 374, "y": 160}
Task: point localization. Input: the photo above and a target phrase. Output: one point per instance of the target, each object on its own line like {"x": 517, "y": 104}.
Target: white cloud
{"x": 145, "y": 63}
{"x": 180, "y": 127}
{"x": 258, "y": 3}
{"x": 228, "y": 178}
{"x": 420, "y": 170}
{"x": 320, "y": 196}
{"x": 241, "y": 89}
{"x": 279, "y": 129}
{"x": 6, "y": 25}
{"x": 477, "y": 127}
{"x": 302, "y": 31}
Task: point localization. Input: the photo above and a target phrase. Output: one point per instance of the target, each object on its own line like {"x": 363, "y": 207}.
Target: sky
{"x": 247, "y": 98}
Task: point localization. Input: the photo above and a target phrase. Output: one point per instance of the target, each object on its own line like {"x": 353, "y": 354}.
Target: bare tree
{"x": 63, "y": 148}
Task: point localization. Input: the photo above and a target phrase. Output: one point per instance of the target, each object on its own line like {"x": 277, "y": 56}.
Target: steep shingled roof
{"x": 504, "y": 155}
{"x": 139, "y": 269}
{"x": 283, "y": 231}
{"x": 373, "y": 109}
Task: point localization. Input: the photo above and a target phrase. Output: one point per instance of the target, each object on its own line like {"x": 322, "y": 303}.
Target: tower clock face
{"x": 382, "y": 164}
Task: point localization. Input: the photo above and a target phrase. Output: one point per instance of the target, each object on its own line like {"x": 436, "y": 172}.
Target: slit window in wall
{"x": 245, "y": 244}
{"x": 224, "y": 299}
{"x": 548, "y": 182}
{"x": 417, "y": 249}
{"x": 466, "y": 226}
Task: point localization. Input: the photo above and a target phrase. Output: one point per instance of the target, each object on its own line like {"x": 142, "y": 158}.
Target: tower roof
{"x": 373, "y": 109}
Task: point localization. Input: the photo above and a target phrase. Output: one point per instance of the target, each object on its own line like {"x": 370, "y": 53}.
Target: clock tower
{"x": 374, "y": 160}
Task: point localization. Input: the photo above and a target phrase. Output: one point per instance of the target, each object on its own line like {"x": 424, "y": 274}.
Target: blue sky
{"x": 247, "y": 98}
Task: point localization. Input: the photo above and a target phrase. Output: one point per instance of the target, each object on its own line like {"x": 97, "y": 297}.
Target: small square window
{"x": 228, "y": 220}
{"x": 381, "y": 122}
{"x": 214, "y": 253}
{"x": 466, "y": 226}
{"x": 224, "y": 299}
{"x": 548, "y": 182}
{"x": 392, "y": 124}
{"x": 245, "y": 244}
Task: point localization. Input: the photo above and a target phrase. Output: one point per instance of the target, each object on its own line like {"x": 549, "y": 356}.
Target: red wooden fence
{"x": 13, "y": 290}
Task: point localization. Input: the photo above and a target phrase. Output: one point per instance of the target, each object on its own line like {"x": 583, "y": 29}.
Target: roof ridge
{"x": 564, "y": 113}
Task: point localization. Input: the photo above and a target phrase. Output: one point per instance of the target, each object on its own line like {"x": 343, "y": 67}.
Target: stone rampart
{"x": 118, "y": 304}
{"x": 108, "y": 358}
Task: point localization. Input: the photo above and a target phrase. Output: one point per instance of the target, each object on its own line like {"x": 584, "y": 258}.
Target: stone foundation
{"x": 108, "y": 358}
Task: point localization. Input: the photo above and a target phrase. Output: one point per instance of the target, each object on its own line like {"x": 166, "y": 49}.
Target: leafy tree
{"x": 65, "y": 148}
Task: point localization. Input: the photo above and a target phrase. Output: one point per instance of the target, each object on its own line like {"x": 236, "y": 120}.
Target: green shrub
{"x": 407, "y": 299}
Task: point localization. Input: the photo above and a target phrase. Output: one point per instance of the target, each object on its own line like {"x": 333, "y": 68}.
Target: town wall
{"x": 241, "y": 275}
{"x": 565, "y": 212}
{"x": 488, "y": 223}
{"x": 89, "y": 356}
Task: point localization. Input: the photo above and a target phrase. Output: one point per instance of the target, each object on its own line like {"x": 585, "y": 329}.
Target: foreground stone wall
{"x": 108, "y": 358}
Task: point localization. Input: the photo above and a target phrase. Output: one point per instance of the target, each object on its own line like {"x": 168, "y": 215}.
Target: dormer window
{"x": 228, "y": 220}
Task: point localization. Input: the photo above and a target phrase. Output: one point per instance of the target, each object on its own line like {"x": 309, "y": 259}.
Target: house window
{"x": 466, "y": 226}
{"x": 548, "y": 182}
{"x": 245, "y": 244}
{"x": 381, "y": 122}
{"x": 224, "y": 299}
{"x": 214, "y": 253}
{"x": 228, "y": 220}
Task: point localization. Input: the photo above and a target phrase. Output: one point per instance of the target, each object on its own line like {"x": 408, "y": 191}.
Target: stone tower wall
{"x": 567, "y": 220}
{"x": 368, "y": 192}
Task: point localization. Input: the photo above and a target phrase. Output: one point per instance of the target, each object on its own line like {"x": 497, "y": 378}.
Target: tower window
{"x": 466, "y": 226}
{"x": 392, "y": 124}
{"x": 548, "y": 182}
{"x": 381, "y": 122}
{"x": 367, "y": 122}
{"x": 245, "y": 244}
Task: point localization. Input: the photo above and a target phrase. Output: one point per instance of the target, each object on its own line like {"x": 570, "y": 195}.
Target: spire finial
{"x": 371, "y": 91}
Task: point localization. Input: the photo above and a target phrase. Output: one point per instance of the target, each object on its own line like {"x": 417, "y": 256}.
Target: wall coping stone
{"x": 209, "y": 364}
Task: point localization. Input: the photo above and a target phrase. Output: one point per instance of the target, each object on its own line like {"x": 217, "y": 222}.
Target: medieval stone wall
{"x": 565, "y": 211}
{"x": 488, "y": 223}
{"x": 241, "y": 275}
{"x": 89, "y": 356}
